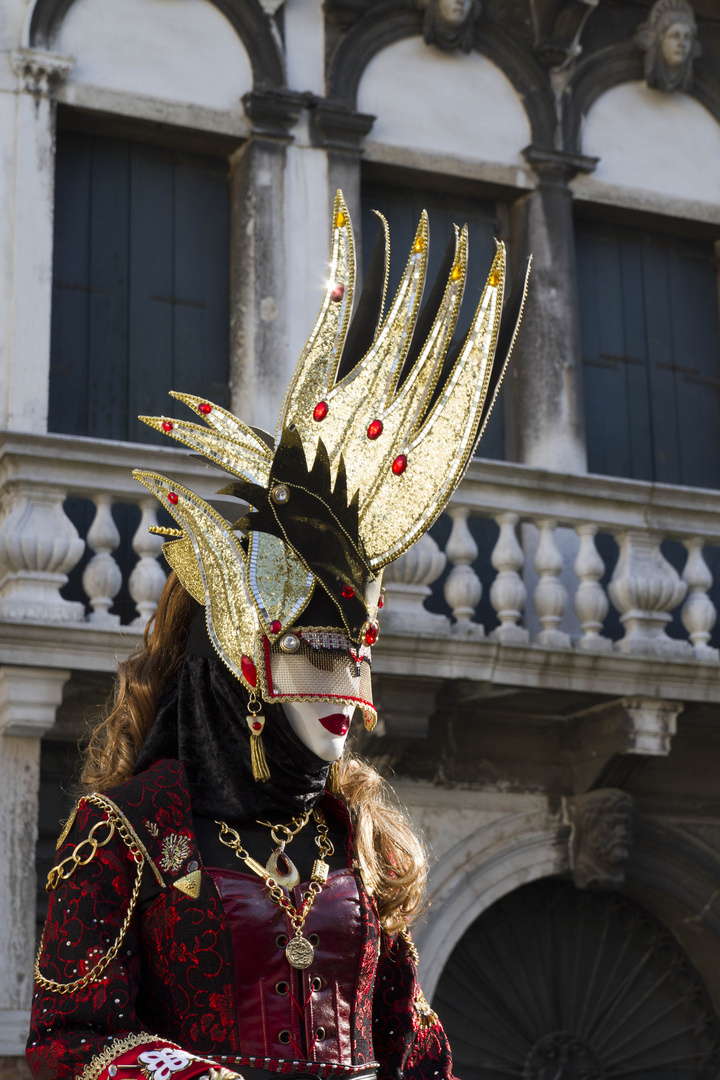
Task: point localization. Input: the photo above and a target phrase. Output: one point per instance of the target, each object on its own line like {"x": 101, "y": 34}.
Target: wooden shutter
{"x": 140, "y": 284}
{"x": 651, "y": 355}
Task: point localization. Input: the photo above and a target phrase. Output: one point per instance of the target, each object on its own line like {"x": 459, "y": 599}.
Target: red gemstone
{"x": 172, "y": 498}
{"x": 249, "y": 670}
{"x": 381, "y": 602}
{"x": 399, "y": 465}
{"x": 347, "y": 592}
{"x": 337, "y": 293}
{"x": 275, "y": 627}
{"x": 375, "y": 429}
{"x": 167, "y": 425}
{"x": 205, "y": 407}
{"x": 371, "y": 634}
{"x": 257, "y": 726}
{"x": 320, "y": 411}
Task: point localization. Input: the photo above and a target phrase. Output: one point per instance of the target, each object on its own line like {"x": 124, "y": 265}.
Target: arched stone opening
{"x": 246, "y": 17}
{"x": 555, "y": 982}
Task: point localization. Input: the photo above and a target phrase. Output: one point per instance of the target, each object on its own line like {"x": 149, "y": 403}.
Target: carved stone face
{"x": 610, "y": 841}
{"x": 676, "y": 44}
{"x": 454, "y": 12}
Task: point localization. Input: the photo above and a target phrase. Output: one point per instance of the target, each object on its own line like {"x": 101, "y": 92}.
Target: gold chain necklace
{"x": 291, "y": 877}
{"x": 299, "y": 952}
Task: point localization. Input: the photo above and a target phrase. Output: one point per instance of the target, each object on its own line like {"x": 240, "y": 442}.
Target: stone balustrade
{"x": 544, "y": 579}
{"x": 547, "y": 583}
{"x": 40, "y": 546}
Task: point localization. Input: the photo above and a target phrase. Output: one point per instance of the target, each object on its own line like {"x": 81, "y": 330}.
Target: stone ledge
{"x": 83, "y": 647}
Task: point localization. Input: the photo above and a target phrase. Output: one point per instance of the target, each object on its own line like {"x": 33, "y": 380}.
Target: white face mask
{"x": 322, "y": 727}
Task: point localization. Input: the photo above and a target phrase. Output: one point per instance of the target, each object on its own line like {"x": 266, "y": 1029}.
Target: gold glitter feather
{"x": 232, "y": 618}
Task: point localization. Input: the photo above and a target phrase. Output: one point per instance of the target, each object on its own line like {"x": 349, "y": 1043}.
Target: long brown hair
{"x": 392, "y": 858}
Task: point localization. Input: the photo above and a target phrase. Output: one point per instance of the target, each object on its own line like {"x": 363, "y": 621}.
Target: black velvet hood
{"x": 201, "y": 722}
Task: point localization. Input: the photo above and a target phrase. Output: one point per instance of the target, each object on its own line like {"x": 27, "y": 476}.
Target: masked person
{"x": 233, "y": 892}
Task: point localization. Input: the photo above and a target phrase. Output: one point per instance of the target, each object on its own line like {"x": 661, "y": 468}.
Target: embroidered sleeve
{"x": 84, "y": 1022}
{"x": 408, "y": 1039}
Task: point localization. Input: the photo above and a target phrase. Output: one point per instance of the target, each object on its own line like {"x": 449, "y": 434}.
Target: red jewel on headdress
{"x": 371, "y": 634}
{"x": 320, "y": 411}
{"x": 347, "y": 592}
{"x": 167, "y": 425}
{"x": 381, "y": 602}
{"x": 249, "y": 670}
{"x": 375, "y": 429}
{"x": 399, "y": 465}
{"x": 172, "y": 498}
{"x": 337, "y": 293}
{"x": 257, "y": 726}
{"x": 275, "y": 627}
{"x": 205, "y": 407}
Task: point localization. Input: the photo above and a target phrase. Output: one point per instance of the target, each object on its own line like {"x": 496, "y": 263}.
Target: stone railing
{"x": 546, "y": 582}
{"x": 548, "y": 586}
{"x": 40, "y": 546}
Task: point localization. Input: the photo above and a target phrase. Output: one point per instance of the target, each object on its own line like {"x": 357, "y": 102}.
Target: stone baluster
{"x": 550, "y": 595}
{"x": 147, "y": 579}
{"x": 698, "y": 614}
{"x": 463, "y": 588}
{"x": 645, "y": 588}
{"x": 508, "y": 592}
{"x": 591, "y": 604}
{"x": 407, "y": 584}
{"x": 102, "y": 577}
{"x": 39, "y": 546}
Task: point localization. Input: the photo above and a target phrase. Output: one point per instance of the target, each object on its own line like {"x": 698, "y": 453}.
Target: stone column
{"x": 549, "y": 420}
{"x": 24, "y": 377}
{"x": 258, "y": 259}
{"x": 340, "y": 131}
{"x": 29, "y": 698}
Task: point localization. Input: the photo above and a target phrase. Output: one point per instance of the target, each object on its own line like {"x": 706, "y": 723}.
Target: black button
{"x": 282, "y": 987}
{"x": 320, "y": 1034}
{"x": 284, "y": 1036}
{"x": 316, "y": 983}
{"x": 314, "y": 940}
{"x": 281, "y": 941}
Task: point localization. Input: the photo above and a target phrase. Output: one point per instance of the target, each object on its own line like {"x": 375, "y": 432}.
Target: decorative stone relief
{"x": 449, "y": 23}
{"x": 41, "y": 72}
{"x": 669, "y": 40}
{"x": 601, "y": 837}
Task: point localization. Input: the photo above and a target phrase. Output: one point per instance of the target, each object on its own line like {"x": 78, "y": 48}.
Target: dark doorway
{"x": 552, "y": 983}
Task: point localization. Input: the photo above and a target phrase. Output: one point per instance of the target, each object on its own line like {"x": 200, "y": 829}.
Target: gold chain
{"x": 58, "y": 873}
{"x": 319, "y": 877}
{"x": 107, "y": 959}
{"x": 288, "y": 832}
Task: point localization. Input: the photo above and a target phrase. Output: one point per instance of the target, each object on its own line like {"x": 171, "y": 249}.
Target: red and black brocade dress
{"x": 202, "y": 969}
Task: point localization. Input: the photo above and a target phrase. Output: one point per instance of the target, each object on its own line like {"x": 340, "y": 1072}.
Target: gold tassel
{"x": 256, "y": 723}
{"x": 333, "y": 780}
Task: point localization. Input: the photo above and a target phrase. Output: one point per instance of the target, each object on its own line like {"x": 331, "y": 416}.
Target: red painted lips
{"x": 337, "y": 723}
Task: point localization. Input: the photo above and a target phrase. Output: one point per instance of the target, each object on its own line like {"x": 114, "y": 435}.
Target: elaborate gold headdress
{"x": 376, "y": 430}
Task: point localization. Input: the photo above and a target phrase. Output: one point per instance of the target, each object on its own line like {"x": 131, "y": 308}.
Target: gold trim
{"x": 97, "y": 1065}
{"x": 102, "y": 800}
{"x": 67, "y": 827}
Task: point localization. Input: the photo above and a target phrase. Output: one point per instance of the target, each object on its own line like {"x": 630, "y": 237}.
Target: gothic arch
{"x": 388, "y": 23}
{"x": 245, "y": 16}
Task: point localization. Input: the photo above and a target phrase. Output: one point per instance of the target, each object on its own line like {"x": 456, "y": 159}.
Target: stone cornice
{"x": 41, "y": 72}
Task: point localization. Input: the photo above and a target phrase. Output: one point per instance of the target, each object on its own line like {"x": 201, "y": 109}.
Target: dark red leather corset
{"x": 283, "y": 1012}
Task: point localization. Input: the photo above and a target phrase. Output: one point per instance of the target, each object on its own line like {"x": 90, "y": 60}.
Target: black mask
{"x": 201, "y": 722}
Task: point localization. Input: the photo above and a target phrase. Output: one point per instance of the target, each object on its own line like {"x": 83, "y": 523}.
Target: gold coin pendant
{"x": 300, "y": 952}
